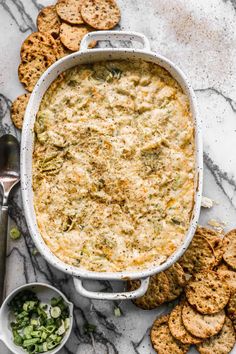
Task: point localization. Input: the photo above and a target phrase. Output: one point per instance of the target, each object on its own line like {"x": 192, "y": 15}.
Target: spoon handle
{"x": 3, "y": 246}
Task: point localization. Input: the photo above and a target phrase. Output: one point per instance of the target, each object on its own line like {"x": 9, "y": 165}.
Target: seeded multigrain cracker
{"x": 221, "y": 343}
{"x": 61, "y": 49}
{"x": 228, "y": 275}
{"x": 18, "y": 109}
{"x": 100, "y": 14}
{"x": 207, "y": 292}
{"x": 30, "y": 70}
{"x": 215, "y": 240}
{"x": 231, "y": 308}
{"x": 162, "y": 340}
{"x": 198, "y": 256}
{"x": 177, "y": 281}
{"x": 156, "y": 294}
{"x": 69, "y": 11}
{"x": 178, "y": 329}
{"x": 38, "y": 43}
{"x": 229, "y": 246}
{"x": 71, "y": 36}
{"x": 221, "y": 266}
{"x": 199, "y": 325}
{"x": 48, "y": 21}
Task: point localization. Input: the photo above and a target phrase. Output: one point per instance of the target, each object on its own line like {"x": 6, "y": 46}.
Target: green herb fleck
{"x": 34, "y": 252}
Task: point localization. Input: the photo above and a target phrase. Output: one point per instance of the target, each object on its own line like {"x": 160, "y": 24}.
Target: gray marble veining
{"x": 200, "y": 36}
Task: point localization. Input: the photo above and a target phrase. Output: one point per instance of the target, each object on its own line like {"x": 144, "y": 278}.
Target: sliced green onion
{"x": 15, "y": 233}
{"x": 61, "y": 330}
{"x": 22, "y": 314}
{"x": 55, "y": 301}
{"x": 34, "y": 322}
{"x": 43, "y": 306}
{"x": 117, "y": 312}
{"x": 27, "y": 332}
{"x": 18, "y": 340}
{"x": 45, "y": 346}
{"x": 50, "y": 328}
{"x": 35, "y": 329}
{"x": 29, "y": 305}
{"x": 55, "y": 312}
{"x": 42, "y": 313}
{"x": 51, "y": 345}
{"x": 32, "y": 349}
{"x": 50, "y": 321}
{"x": 36, "y": 334}
{"x": 35, "y": 251}
{"x": 44, "y": 335}
{"x": 89, "y": 328}
{"x": 29, "y": 342}
{"x": 67, "y": 323}
{"x": 53, "y": 337}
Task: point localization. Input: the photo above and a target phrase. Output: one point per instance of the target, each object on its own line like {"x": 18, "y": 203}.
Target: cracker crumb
{"x": 207, "y": 202}
{"x": 217, "y": 225}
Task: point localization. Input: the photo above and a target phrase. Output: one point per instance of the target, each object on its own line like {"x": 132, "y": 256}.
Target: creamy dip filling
{"x": 113, "y": 166}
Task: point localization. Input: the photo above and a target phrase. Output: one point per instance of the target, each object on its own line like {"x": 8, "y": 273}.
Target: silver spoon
{"x": 9, "y": 177}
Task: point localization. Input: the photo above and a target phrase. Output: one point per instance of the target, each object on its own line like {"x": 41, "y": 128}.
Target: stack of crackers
{"x": 61, "y": 28}
{"x": 204, "y": 282}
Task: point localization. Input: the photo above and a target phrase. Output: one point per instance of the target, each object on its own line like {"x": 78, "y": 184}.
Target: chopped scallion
{"x": 55, "y": 312}
{"x": 38, "y": 327}
{"x": 15, "y": 233}
{"x": 29, "y": 342}
{"x": 117, "y": 312}
{"x": 89, "y": 328}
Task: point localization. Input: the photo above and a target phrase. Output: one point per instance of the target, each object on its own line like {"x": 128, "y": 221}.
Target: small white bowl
{"x": 44, "y": 292}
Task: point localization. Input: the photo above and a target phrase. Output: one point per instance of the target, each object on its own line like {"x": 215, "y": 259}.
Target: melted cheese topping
{"x": 113, "y": 166}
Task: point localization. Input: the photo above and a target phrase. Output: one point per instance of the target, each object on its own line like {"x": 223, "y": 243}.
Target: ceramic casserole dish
{"x": 84, "y": 56}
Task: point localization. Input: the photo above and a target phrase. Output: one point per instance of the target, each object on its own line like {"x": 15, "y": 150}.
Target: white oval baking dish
{"x": 86, "y": 55}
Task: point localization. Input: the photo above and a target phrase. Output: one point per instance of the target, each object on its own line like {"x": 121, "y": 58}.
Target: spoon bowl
{"x": 9, "y": 164}
{"x": 9, "y": 177}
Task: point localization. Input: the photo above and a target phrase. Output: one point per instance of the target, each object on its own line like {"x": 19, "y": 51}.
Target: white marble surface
{"x": 200, "y": 36}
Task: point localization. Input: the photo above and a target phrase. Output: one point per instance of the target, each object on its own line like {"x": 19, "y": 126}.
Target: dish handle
{"x": 111, "y": 296}
{"x": 114, "y": 35}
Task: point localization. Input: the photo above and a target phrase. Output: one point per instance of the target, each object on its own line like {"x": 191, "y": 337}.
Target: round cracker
{"x": 231, "y": 307}
{"x": 221, "y": 343}
{"x": 229, "y": 245}
{"x": 199, "y": 325}
{"x": 18, "y": 108}
{"x": 198, "y": 256}
{"x": 215, "y": 240}
{"x": 177, "y": 281}
{"x": 48, "y": 21}
{"x": 30, "y": 71}
{"x": 38, "y": 43}
{"x": 234, "y": 324}
{"x": 69, "y": 11}
{"x": 229, "y": 276}
{"x": 101, "y": 14}
{"x": 221, "y": 266}
{"x": 162, "y": 340}
{"x": 61, "y": 49}
{"x": 177, "y": 327}
{"x": 207, "y": 292}
{"x": 71, "y": 36}
{"x": 156, "y": 294}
